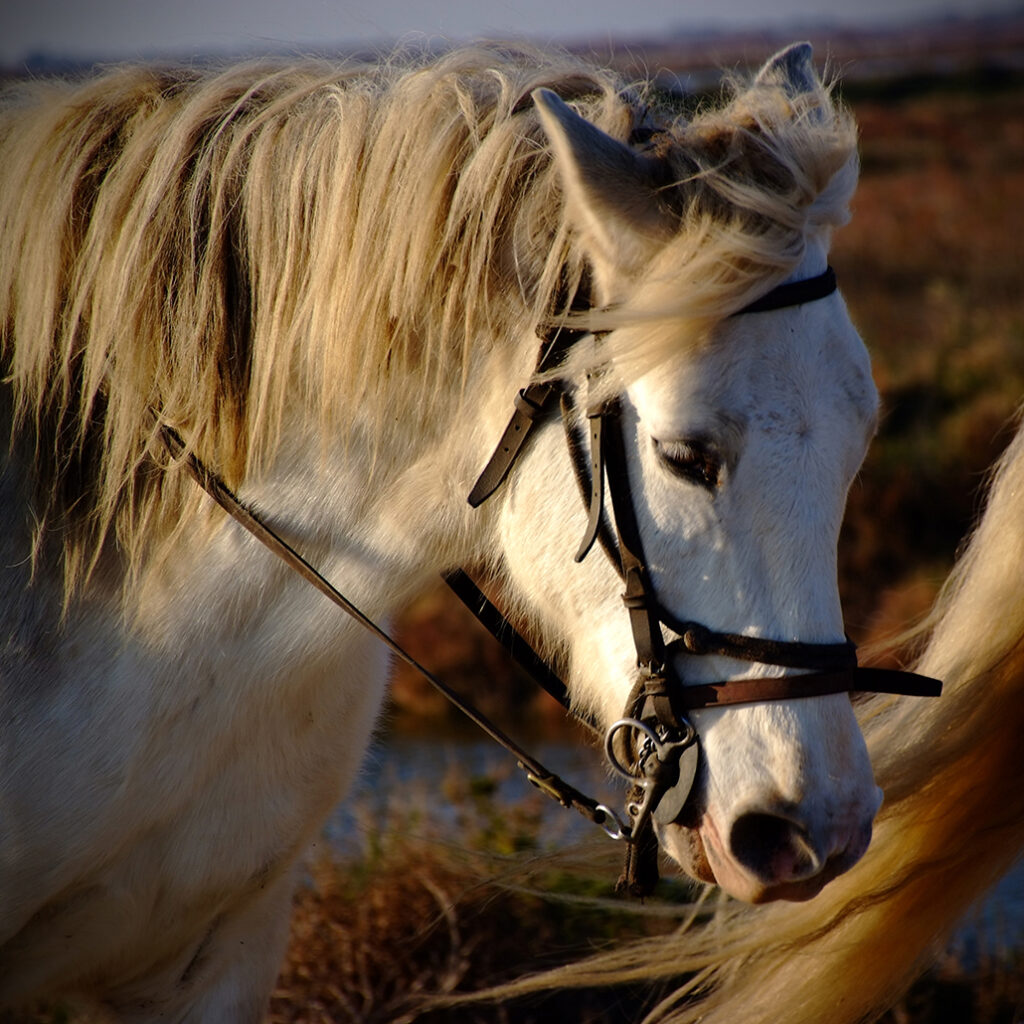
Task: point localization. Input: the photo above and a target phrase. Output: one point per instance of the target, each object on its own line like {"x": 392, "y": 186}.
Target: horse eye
{"x": 695, "y": 461}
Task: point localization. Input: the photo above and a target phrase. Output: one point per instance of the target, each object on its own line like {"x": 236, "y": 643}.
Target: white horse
{"x": 329, "y": 284}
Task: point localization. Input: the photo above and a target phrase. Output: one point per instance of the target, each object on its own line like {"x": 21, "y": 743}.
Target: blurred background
{"x": 931, "y": 267}
{"x": 35, "y": 32}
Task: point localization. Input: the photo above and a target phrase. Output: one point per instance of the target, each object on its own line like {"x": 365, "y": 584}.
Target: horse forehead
{"x": 779, "y": 368}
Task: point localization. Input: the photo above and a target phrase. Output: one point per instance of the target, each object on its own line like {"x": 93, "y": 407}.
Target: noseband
{"x": 654, "y": 744}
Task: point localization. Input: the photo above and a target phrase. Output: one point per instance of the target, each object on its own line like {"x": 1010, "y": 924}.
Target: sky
{"x": 125, "y": 29}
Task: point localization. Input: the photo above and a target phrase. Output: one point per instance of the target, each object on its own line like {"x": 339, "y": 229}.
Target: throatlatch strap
{"x": 796, "y": 293}
{"x": 531, "y": 403}
{"x": 515, "y": 644}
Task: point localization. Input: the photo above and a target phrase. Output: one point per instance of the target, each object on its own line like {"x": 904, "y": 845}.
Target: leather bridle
{"x": 654, "y": 744}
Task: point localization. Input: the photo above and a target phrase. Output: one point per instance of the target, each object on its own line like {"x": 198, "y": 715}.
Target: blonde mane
{"x": 220, "y": 250}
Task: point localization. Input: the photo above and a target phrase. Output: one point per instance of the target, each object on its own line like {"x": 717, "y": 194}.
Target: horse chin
{"x": 686, "y": 847}
{"x": 699, "y": 859}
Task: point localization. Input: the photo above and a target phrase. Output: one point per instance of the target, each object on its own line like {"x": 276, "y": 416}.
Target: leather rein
{"x": 654, "y": 744}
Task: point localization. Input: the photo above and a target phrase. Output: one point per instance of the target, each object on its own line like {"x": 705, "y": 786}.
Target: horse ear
{"x": 611, "y": 191}
{"x": 792, "y": 68}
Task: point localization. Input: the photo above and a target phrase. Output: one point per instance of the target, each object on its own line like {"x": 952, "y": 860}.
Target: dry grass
{"x": 423, "y": 913}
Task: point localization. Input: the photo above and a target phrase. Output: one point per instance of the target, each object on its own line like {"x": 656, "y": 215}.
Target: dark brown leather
{"x": 697, "y": 639}
{"x": 531, "y": 405}
{"x": 814, "y": 684}
{"x": 796, "y": 293}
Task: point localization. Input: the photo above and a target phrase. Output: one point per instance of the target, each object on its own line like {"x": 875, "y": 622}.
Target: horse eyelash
{"x": 693, "y": 460}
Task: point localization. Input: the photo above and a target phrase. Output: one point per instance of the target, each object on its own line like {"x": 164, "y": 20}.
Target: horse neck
{"x": 391, "y": 498}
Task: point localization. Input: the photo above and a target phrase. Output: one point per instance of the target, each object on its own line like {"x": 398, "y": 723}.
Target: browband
{"x": 795, "y": 293}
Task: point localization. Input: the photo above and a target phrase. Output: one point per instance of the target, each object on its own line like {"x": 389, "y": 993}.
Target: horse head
{"x": 741, "y": 435}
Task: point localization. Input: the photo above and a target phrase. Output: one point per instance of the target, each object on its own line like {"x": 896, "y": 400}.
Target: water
{"x": 428, "y": 784}
{"x": 438, "y": 778}
{"x": 995, "y": 928}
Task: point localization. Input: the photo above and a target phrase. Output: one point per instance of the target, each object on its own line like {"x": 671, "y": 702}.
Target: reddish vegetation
{"x": 930, "y": 266}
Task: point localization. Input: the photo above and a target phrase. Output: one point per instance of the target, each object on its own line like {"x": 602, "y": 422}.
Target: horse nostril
{"x": 773, "y": 849}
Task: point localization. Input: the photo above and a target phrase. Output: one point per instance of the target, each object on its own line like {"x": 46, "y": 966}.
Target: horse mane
{"x": 226, "y": 250}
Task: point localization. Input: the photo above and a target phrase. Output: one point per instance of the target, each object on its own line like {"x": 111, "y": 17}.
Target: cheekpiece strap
{"x": 639, "y": 599}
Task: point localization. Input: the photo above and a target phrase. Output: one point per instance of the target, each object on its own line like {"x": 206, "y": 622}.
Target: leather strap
{"x": 639, "y": 594}
{"x": 514, "y": 643}
{"x": 697, "y": 639}
{"x": 590, "y": 481}
{"x": 796, "y": 293}
{"x": 532, "y": 402}
{"x": 531, "y": 405}
{"x": 654, "y": 692}
{"x": 660, "y": 692}
{"x": 816, "y": 684}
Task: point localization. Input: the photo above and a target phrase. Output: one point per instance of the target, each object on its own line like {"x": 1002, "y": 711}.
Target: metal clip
{"x": 547, "y": 785}
{"x": 600, "y": 814}
{"x": 612, "y": 823}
